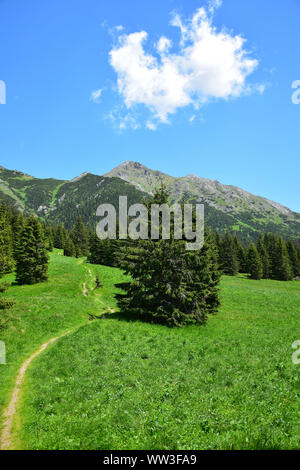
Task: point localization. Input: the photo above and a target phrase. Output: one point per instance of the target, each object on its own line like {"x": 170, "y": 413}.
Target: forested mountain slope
{"x": 226, "y": 207}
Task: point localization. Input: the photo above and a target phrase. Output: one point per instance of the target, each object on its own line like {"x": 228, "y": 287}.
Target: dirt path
{"x": 85, "y": 291}
{"x": 10, "y": 411}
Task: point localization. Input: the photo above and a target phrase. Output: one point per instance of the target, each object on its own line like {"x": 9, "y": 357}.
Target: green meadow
{"x": 116, "y": 383}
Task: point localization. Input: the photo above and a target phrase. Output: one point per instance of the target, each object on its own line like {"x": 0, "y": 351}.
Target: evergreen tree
{"x": 218, "y": 244}
{"x": 31, "y": 254}
{"x": 79, "y": 236}
{"x": 103, "y": 251}
{"x": 228, "y": 256}
{"x": 270, "y": 243}
{"x": 283, "y": 269}
{"x": 254, "y": 263}
{"x": 59, "y": 238}
{"x": 241, "y": 254}
{"x": 69, "y": 247}
{"x": 294, "y": 260}
{"x": 6, "y": 242}
{"x": 263, "y": 253}
{"x": 48, "y": 237}
{"x": 17, "y": 223}
{"x": 170, "y": 285}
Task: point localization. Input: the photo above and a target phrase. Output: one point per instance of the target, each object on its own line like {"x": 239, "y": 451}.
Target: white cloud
{"x": 209, "y": 64}
{"x": 261, "y": 88}
{"x": 96, "y": 95}
{"x": 121, "y": 120}
{"x": 151, "y": 125}
{"x": 163, "y": 45}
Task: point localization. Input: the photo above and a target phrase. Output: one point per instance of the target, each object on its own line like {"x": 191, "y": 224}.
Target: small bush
{"x": 4, "y": 286}
{"x": 6, "y": 303}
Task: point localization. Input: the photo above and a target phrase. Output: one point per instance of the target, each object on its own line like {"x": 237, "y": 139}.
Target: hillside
{"x": 62, "y": 201}
{"x": 230, "y": 384}
{"x": 226, "y": 207}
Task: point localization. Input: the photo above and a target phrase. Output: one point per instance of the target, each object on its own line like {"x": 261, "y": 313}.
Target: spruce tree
{"x": 60, "y": 236}
{"x": 241, "y": 254}
{"x": 103, "y": 251}
{"x": 31, "y": 253}
{"x": 79, "y": 236}
{"x": 263, "y": 253}
{"x": 69, "y": 247}
{"x": 293, "y": 255}
{"x": 283, "y": 270}
{"x": 254, "y": 263}
{"x": 170, "y": 285}
{"x": 270, "y": 243}
{"x": 218, "y": 244}
{"x": 48, "y": 237}
{"x": 228, "y": 256}
{"x": 6, "y": 242}
{"x": 17, "y": 223}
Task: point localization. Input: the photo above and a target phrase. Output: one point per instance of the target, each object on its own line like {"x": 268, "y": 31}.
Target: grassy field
{"x": 119, "y": 384}
{"x": 48, "y": 309}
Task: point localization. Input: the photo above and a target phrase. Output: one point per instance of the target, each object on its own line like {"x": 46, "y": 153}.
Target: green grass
{"x": 119, "y": 384}
{"x": 46, "y": 310}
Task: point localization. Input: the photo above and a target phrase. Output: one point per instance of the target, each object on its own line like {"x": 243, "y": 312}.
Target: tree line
{"x": 25, "y": 241}
{"x": 270, "y": 258}
{"x": 168, "y": 284}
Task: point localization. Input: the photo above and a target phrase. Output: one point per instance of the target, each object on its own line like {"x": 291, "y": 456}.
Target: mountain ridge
{"x": 123, "y": 168}
{"x": 227, "y": 207}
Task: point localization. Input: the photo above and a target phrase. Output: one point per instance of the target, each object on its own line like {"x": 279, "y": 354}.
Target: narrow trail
{"x": 85, "y": 291}
{"x": 10, "y": 411}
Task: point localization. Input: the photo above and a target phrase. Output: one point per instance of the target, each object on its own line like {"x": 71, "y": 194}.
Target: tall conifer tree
{"x": 293, "y": 255}
{"x": 254, "y": 263}
{"x": 283, "y": 269}
{"x": 228, "y": 257}
{"x": 241, "y": 254}
{"x": 170, "y": 285}
{"x": 31, "y": 253}
{"x": 80, "y": 239}
{"x": 69, "y": 247}
{"x": 6, "y": 242}
{"x": 263, "y": 253}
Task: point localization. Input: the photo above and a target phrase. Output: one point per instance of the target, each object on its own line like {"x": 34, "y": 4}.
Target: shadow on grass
{"x": 131, "y": 316}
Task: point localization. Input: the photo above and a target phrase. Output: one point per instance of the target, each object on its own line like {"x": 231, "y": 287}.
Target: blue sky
{"x": 54, "y": 55}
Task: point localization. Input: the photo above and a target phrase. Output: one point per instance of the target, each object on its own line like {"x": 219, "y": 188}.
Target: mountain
{"x": 60, "y": 201}
{"x": 226, "y": 207}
